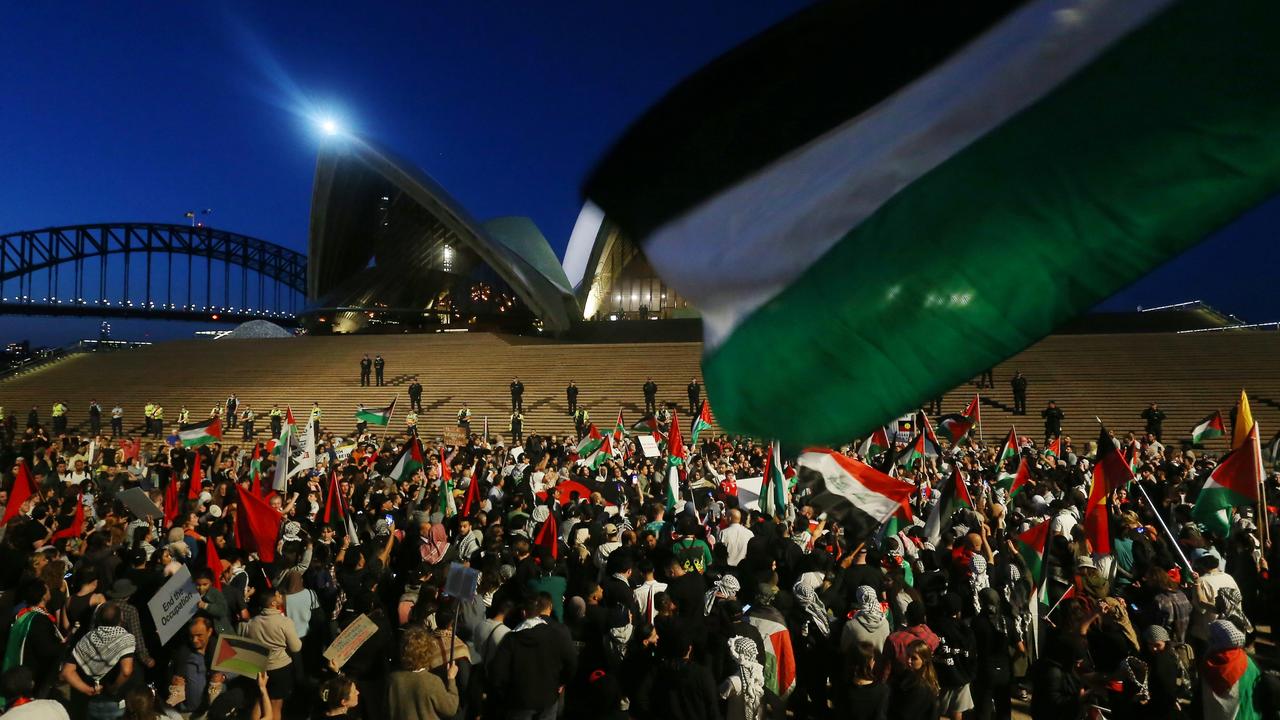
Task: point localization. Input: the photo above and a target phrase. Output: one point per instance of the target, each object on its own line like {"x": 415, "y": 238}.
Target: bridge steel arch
{"x": 105, "y": 256}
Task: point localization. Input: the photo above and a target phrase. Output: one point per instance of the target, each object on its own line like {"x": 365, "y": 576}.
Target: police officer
{"x": 571, "y": 394}
{"x": 1019, "y": 386}
{"x": 157, "y": 421}
{"x": 117, "y": 420}
{"x": 1052, "y": 421}
{"x": 33, "y": 418}
{"x": 233, "y": 403}
{"x": 59, "y": 418}
{"x": 378, "y": 365}
{"x": 315, "y": 418}
{"x": 650, "y": 396}
{"x": 695, "y": 395}
{"x": 247, "y": 417}
{"x": 95, "y": 418}
{"x": 148, "y": 411}
{"x": 277, "y": 421}
{"x": 517, "y": 395}
{"x": 411, "y": 423}
{"x": 184, "y": 416}
{"x": 366, "y": 367}
{"x": 581, "y": 421}
{"x": 415, "y": 395}
{"x": 517, "y": 427}
{"x": 464, "y": 418}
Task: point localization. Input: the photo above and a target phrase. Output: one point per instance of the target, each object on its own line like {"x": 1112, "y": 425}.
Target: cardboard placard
{"x": 455, "y": 436}
{"x": 236, "y": 655}
{"x": 350, "y": 640}
{"x": 174, "y": 604}
{"x": 648, "y": 446}
{"x": 138, "y": 503}
{"x": 461, "y": 583}
{"x": 749, "y": 492}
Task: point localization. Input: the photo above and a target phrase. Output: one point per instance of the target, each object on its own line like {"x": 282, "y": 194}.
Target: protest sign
{"x": 174, "y": 604}
{"x": 140, "y": 504}
{"x": 461, "y": 582}
{"x": 455, "y": 436}
{"x": 749, "y": 492}
{"x": 649, "y": 446}
{"x": 350, "y": 640}
{"x": 239, "y": 656}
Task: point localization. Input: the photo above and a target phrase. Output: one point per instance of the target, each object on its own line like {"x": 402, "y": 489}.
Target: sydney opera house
{"x": 391, "y": 251}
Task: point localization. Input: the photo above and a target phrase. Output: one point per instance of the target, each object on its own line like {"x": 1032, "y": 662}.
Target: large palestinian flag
{"x": 1232, "y": 484}
{"x": 376, "y": 416}
{"x": 955, "y": 425}
{"x": 867, "y": 180}
{"x": 409, "y": 462}
{"x": 209, "y": 431}
{"x": 862, "y": 496}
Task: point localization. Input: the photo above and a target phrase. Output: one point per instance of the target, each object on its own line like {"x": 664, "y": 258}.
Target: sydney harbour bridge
{"x": 150, "y": 270}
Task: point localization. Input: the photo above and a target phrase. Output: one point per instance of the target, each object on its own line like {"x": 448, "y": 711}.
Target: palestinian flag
{"x": 876, "y": 443}
{"x": 863, "y": 497}
{"x": 376, "y": 416}
{"x": 671, "y": 488}
{"x": 471, "y": 501}
{"x": 1016, "y": 481}
{"x": 955, "y": 497}
{"x": 288, "y": 433}
{"x": 926, "y": 431}
{"x": 701, "y": 422}
{"x": 448, "y": 504}
{"x": 240, "y": 656}
{"x": 409, "y": 462}
{"x": 599, "y": 456}
{"x": 1054, "y": 448}
{"x": 1232, "y": 484}
{"x": 589, "y": 443}
{"x": 869, "y": 182}
{"x": 647, "y": 424}
{"x": 676, "y": 453}
{"x": 336, "y": 513}
{"x": 619, "y": 431}
{"x": 1031, "y": 546}
{"x": 955, "y": 426}
{"x": 1110, "y": 473}
{"x": 919, "y": 449}
{"x": 1241, "y": 422}
{"x": 974, "y": 410}
{"x": 773, "y": 484}
{"x": 1209, "y": 428}
{"x": 193, "y": 435}
{"x": 1008, "y": 450}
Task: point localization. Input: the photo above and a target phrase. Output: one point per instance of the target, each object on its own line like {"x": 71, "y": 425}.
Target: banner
{"x": 350, "y": 640}
{"x": 648, "y": 446}
{"x": 455, "y": 436}
{"x": 174, "y": 604}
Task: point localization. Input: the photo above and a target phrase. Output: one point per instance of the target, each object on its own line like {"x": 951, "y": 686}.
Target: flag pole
{"x": 392, "y": 411}
{"x": 1065, "y": 593}
{"x": 978, "y": 406}
{"x": 1165, "y": 527}
{"x": 882, "y": 521}
{"x": 1264, "y": 532}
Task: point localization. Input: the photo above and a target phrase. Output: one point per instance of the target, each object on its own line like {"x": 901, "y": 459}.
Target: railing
{"x": 48, "y": 356}
{"x": 1244, "y": 326}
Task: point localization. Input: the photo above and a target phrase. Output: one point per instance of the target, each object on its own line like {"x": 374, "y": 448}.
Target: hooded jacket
{"x": 533, "y": 662}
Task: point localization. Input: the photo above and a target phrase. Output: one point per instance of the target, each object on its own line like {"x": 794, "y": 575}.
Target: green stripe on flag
{"x": 1159, "y": 142}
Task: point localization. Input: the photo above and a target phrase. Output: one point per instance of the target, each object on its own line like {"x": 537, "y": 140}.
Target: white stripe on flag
{"x": 839, "y": 482}
{"x": 804, "y": 205}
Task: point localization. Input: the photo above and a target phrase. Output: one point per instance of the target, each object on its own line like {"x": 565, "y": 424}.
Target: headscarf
{"x": 750, "y": 673}
{"x": 867, "y": 609}
{"x": 1227, "y": 661}
{"x": 813, "y": 607}
{"x": 101, "y": 649}
{"x": 726, "y": 588}
{"x": 435, "y": 544}
{"x": 1231, "y": 607}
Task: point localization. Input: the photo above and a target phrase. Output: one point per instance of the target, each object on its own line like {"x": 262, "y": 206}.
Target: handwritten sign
{"x": 455, "y": 436}
{"x": 648, "y": 446}
{"x": 350, "y": 640}
{"x": 174, "y": 604}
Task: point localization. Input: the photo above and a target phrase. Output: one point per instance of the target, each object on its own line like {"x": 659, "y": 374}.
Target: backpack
{"x": 1186, "y": 658}
{"x": 689, "y": 553}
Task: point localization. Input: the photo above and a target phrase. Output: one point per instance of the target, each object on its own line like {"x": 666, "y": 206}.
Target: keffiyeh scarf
{"x": 813, "y": 607}
{"x": 750, "y": 673}
{"x": 726, "y": 588}
{"x": 99, "y": 651}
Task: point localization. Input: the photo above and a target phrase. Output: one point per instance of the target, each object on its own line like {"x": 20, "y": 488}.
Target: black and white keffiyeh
{"x": 102, "y": 649}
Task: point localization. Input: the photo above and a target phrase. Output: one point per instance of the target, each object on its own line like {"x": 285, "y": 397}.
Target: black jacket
{"x": 532, "y": 665}
{"x": 679, "y": 690}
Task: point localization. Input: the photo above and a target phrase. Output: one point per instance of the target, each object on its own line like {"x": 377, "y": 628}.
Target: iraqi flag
{"x": 955, "y": 497}
{"x": 863, "y": 497}
{"x": 196, "y": 434}
{"x": 1209, "y": 428}
{"x": 866, "y": 180}
{"x": 1233, "y": 483}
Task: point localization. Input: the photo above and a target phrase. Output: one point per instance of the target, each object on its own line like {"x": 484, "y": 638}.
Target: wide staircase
{"x": 1111, "y": 376}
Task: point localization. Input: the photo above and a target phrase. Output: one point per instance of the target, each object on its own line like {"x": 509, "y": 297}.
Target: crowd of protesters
{"x": 600, "y": 596}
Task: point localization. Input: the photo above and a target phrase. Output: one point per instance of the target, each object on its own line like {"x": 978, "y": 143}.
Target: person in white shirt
{"x": 735, "y": 538}
{"x": 18, "y": 686}
{"x": 648, "y": 590}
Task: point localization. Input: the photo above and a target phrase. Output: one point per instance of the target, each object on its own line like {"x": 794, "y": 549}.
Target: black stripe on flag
{"x": 795, "y": 81}
{"x": 857, "y": 524}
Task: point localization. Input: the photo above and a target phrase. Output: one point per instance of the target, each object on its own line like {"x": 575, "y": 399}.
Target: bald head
{"x": 735, "y": 516}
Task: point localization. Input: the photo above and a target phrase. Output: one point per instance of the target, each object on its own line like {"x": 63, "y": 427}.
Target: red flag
{"x": 1021, "y": 478}
{"x": 77, "y": 523}
{"x": 973, "y": 412}
{"x": 23, "y": 488}
{"x": 197, "y": 477}
{"x": 675, "y": 442}
{"x": 472, "y": 501}
{"x": 1110, "y": 472}
{"x": 445, "y": 473}
{"x": 171, "y": 502}
{"x": 214, "y": 562}
{"x": 549, "y": 536}
{"x": 257, "y": 525}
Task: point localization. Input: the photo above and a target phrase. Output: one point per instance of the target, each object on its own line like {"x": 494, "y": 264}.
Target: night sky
{"x": 131, "y": 111}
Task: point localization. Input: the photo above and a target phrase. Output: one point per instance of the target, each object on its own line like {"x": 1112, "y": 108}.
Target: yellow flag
{"x": 1243, "y": 422}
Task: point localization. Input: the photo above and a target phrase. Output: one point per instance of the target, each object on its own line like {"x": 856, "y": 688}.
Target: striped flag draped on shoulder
{"x": 866, "y": 179}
